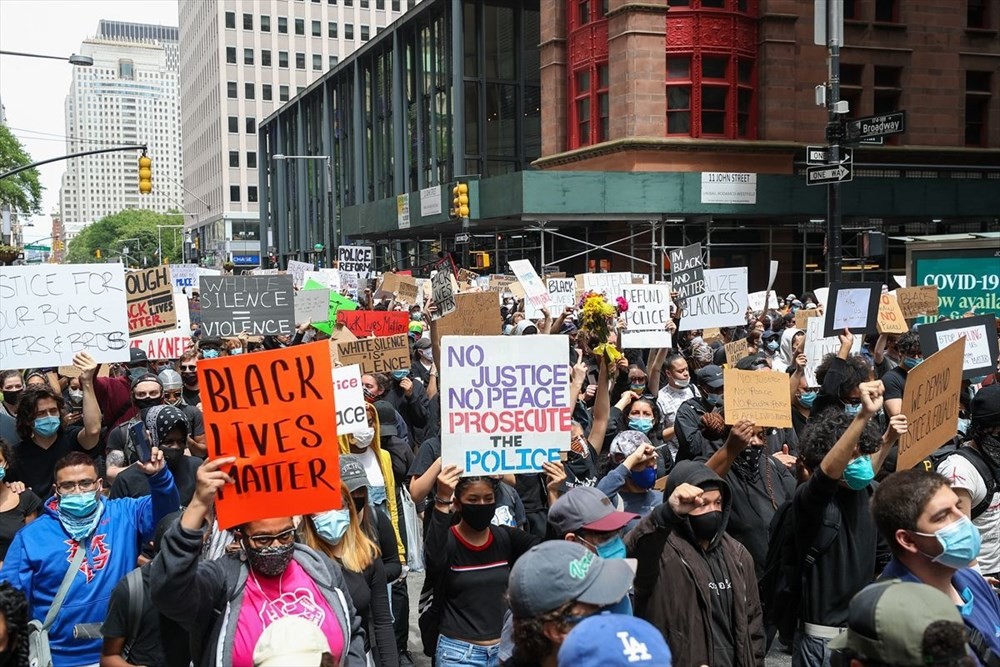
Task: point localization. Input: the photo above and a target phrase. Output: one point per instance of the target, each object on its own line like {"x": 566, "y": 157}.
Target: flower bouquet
{"x": 596, "y": 317}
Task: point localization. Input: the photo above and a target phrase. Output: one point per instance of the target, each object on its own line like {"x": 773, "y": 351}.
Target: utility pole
{"x": 834, "y": 136}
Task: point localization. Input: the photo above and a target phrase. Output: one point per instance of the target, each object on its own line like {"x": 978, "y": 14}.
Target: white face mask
{"x": 363, "y": 439}
{"x": 427, "y": 354}
{"x": 681, "y": 384}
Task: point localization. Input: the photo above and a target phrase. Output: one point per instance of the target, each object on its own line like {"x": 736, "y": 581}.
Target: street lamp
{"x": 329, "y": 200}
{"x": 74, "y": 59}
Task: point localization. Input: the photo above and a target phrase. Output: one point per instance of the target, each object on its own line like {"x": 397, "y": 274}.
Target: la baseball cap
{"x": 614, "y": 640}
{"x": 587, "y": 508}
{"x": 554, "y": 573}
{"x": 887, "y": 620}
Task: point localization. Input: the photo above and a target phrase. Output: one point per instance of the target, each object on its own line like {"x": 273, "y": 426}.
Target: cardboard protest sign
{"x": 275, "y": 412}
{"x": 184, "y": 277}
{"x": 297, "y": 271}
{"x": 409, "y": 292}
{"x": 916, "y": 301}
{"x": 311, "y": 305}
{"x": 168, "y": 344}
{"x": 351, "y": 414}
{"x": 756, "y": 300}
{"x": 256, "y": 305}
{"x": 325, "y": 277}
{"x": 736, "y": 350}
{"x": 647, "y": 316}
{"x": 355, "y": 259}
{"x": 980, "y": 335}
{"x": 608, "y": 284}
{"x": 802, "y": 317}
{"x": 853, "y": 306}
{"x": 930, "y": 403}
{"x": 758, "y": 396}
{"x": 150, "y": 297}
{"x": 817, "y": 346}
{"x": 364, "y": 323}
{"x": 338, "y": 334}
{"x": 505, "y": 405}
{"x": 723, "y": 304}
{"x": 49, "y": 312}
{"x": 535, "y": 290}
{"x": 376, "y": 355}
{"x": 890, "y": 317}
{"x": 687, "y": 271}
{"x": 443, "y": 293}
{"x": 388, "y": 286}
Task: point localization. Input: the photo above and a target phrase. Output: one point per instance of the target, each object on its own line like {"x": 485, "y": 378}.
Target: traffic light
{"x": 460, "y": 200}
{"x": 482, "y": 260}
{"x": 145, "y": 174}
{"x": 97, "y": 253}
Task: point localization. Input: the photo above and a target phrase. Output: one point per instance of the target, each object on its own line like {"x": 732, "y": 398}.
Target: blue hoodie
{"x": 41, "y": 552}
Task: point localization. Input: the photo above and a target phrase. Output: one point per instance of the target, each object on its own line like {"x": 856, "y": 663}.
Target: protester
{"x": 908, "y": 346}
{"x": 586, "y": 515}
{"x": 188, "y": 366}
{"x": 614, "y": 640}
{"x": 166, "y": 430}
{"x": 11, "y": 388}
{"x": 16, "y": 509}
{"x": 147, "y": 391}
{"x": 13, "y": 626}
{"x": 670, "y": 398}
{"x": 173, "y": 394}
{"x": 631, "y": 473}
{"x": 699, "y": 424}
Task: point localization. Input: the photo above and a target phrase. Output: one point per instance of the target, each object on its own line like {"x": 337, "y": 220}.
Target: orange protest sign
{"x": 930, "y": 403}
{"x": 274, "y": 411}
{"x": 364, "y": 323}
{"x": 758, "y": 396}
{"x": 890, "y": 316}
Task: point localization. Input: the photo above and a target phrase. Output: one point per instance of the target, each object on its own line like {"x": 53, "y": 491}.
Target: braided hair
{"x": 14, "y": 608}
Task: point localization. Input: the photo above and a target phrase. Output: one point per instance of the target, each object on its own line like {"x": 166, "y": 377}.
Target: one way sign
{"x": 823, "y": 175}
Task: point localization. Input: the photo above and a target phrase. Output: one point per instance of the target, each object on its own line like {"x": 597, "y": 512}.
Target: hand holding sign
{"x": 209, "y": 480}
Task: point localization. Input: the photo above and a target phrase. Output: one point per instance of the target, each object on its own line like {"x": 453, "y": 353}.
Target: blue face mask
{"x": 977, "y": 380}
{"x": 807, "y": 398}
{"x": 332, "y": 525}
{"x": 644, "y": 424}
{"x": 852, "y": 409}
{"x": 644, "y": 479}
{"x": 637, "y": 388}
{"x": 910, "y": 362}
{"x": 963, "y": 426}
{"x": 613, "y": 548}
{"x": 772, "y": 346}
{"x": 960, "y": 542}
{"x": 78, "y": 505}
{"x": 3, "y": 474}
{"x": 47, "y": 426}
{"x": 715, "y": 400}
{"x": 399, "y": 375}
{"x": 209, "y": 354}
{"x": 859, "y": 473}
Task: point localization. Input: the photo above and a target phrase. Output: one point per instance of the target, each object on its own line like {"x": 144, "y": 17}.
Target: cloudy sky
{"x": 33, "y": 91}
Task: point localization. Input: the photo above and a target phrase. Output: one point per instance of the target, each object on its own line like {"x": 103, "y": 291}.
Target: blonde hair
{"x": 358, "y": 550}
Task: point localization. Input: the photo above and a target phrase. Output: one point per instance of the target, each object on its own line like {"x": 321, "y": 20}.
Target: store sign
{"x": 246, "y": 260}
{"x": 724, "y": 187}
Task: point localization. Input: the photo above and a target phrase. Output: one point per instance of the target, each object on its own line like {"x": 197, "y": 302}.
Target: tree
{"x": 22, "y": 192}
{"x": 112, "y": 234}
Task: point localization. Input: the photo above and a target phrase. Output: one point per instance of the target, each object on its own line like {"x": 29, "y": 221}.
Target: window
{"x": 248, "y": 56}
{"x": 265, "y": 23}
{"x": 379, "y": 4}
{"x": 248, "y": 91}
{"x": 583, "y": 103}
{"x": 251, "y": 125}
{"x": 333, "y": 61}
{"x": 283, "y": 25}
{"x": 887, "y": 89}
{"x": 714, "y": 94}
{"x": 713, "y": 4}
{"x": 300, "y": 61}
{"x": 317, "y": 62}
{"x": 395, "y": 5}
{"x": 300, "y": 26}
{"x": 365, "y": 33}
{"x": 317, "y": 29}
{"x": 679, "y": 95}
{"x": 234, "y": 193}
{"x": 234, "y": 158}
{"x": 265, "y": 57}
{"x": 251, "y": 193}
{"x": 231, "y": 20}
{"x": 978, "y": 86}
{"x": 234, "y": 124}
{"x": 331, "y": 29}
{"x": 364, "y": 4}
{"x": 850, "y": 10}
{"x": 231, "y": 90}
{"x": 851, "y": 80}
{"x": 282, "y": 93}
{"x": 231, "y": 55}
{"x": 265, "y": 92}
{"x": 348, "y": 31}
{"x": 976, "y": 15}
{"x": 252, "y": 159}
{"x": 282, "y": 58}
{"x": 248, "y": 21}
{"x": 348, "y": 3}
{"x": 745, "y": 98}
{"x": 886, "y": 11}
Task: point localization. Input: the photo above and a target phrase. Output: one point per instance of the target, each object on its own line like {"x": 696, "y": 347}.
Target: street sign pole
{"x": 834, "y": 39}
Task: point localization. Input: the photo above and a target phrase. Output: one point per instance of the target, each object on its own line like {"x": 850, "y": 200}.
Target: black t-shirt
{"x": 754, "y": 503}
{"x": 720, "y": 595}
{"x": 894, "y": 381}
{"x": 33, "y": 465}
{"x": 191, "y": 396}
{"x": 146, "y": 644}
{"x": 134, "y": 483}
{"x": 12, "y": 520}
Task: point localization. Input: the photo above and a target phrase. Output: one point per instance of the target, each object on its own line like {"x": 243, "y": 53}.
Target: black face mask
{"x": 706, "y": 526}
{"x": 747, "y": 463}
{"x": 359, "y": 504}
{"x": 171, "y": 456}
{"x": 270, "y": 561}
{"x": 189, "y": 378}
{"x": 12, "y": 397}
{"x": 143, "y": 403}
{"x": 478, "y": 516}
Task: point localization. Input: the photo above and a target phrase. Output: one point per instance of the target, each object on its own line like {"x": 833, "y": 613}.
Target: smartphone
{"x": 142, "y": 447}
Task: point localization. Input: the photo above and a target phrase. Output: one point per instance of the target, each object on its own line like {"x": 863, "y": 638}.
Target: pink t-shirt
{"x": 298, "y": 596}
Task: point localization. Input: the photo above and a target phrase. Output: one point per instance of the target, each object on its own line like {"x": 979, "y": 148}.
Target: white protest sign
{"x": 185, "y": 277}
{"x": 168, "y": 344}
{"x": 608, "y": 284}
{"x": 328, "y": 277}
{"x": 355, "y": 259}
{"x": 504, "y": 403}
{"x": 312, "y": 305}
{"x": 49, "y": 312}
{"x": 980, "y": 337}
{"x": 297, "y": 271}
{"x": 349, "y": 396}
{"x": 723, "y": 304}
{"x": 647, "y": 316}
{"x": 822, "y": 296}
{"x": 756, "y": 300}
{"x": 772, "y": 273}
{"x": 817, "y": 347}
{"x": 562, "y": 294}
{"x": 534, "y": 289}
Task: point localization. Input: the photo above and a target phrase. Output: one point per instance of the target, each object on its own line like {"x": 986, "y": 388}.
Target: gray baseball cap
{"x": 557, "y": 572}
{"x": 588, "y": 508}
{"x": 352, "y": 472}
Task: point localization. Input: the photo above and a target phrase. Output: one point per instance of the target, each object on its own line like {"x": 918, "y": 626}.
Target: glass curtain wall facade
{"x": 451, "y": 89}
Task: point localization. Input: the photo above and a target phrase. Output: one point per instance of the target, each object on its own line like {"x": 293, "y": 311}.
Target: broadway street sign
{"x": 823, "y": 175}
{"x": 876, "y": 126}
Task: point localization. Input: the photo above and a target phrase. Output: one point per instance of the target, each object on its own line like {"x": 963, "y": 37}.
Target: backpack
{"x": 983, "y": 468}
{"x": 136, "y": 607}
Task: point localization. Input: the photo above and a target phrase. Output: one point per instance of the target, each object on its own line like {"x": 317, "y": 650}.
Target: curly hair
{"x": 7, "y": 452}
{"x": 900, "y": 499}
{"x": 530, "y": 643}
{"x": 856, "y": 371}
{"x": 823, "y": 431}
{"x": 28, "y": 405}
{"x": 14, "y": 609}
{"x": 908, "y": 344}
